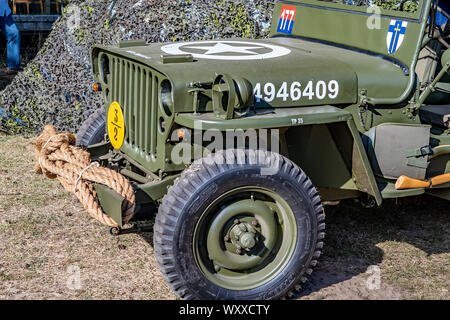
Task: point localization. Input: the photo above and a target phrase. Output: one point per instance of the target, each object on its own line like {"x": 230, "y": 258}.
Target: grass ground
{"x": 46, "y": 240}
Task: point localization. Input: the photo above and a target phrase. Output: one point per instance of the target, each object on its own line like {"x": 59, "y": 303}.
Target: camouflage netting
{"x": 401, "y": 5}
{"x": 56, "y": 86}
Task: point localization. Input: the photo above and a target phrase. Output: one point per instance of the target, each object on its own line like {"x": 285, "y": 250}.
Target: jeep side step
{"x": 388, "y": 191}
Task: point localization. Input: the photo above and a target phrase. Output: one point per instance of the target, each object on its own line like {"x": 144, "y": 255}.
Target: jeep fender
{"x": 324, "y": 141}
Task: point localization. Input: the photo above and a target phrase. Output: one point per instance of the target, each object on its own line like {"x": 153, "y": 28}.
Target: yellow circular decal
{"x": 116, "y": 125}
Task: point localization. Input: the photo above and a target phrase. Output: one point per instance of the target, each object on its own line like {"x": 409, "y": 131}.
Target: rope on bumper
{"x": 58, "y": 157}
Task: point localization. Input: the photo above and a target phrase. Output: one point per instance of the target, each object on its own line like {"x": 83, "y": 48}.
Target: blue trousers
{"x": 9, "y": 29}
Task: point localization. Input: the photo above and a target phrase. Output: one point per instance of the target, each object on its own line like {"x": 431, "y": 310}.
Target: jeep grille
{"x": 135, "y": 88}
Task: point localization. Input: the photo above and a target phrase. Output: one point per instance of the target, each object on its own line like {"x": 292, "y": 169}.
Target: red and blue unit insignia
{"x": 287, "y": 19}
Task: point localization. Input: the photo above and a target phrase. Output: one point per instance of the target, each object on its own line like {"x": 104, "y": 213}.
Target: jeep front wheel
{"x": 92, "y": 131}
{"x": 232, "y": 231}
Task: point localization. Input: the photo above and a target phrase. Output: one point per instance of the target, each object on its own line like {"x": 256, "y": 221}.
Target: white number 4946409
{"x": 294, "y": 91}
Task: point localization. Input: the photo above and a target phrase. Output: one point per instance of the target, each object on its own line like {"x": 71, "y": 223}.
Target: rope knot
{"x": 58, "y": 157}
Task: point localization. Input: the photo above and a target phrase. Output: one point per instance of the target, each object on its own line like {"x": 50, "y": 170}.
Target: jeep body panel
{"x": 328, "y": 42}
{"x": 308, "y": 60}
{"x": 362, "y": 28}
{"x": 334, "y": 105}
{"x": 354, "y": 26}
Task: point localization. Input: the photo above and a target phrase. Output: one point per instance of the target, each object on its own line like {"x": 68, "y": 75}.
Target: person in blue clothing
{"x": 9, "y": 29}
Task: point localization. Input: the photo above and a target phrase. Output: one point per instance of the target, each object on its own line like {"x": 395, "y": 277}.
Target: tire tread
{"x": 193, "y": 178}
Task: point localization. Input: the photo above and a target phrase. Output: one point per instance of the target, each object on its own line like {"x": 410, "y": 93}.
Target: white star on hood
{"x": 223, "y": 48}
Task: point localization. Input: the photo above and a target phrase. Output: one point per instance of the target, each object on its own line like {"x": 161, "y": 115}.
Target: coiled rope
{"x": 58, "y": 157}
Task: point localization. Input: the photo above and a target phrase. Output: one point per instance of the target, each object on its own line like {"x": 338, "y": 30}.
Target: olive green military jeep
{"x": 238, "y": 144}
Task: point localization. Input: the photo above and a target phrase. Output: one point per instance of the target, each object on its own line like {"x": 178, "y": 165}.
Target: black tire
{"x": 201, "y": 184}
{"x": 92, "y": 131}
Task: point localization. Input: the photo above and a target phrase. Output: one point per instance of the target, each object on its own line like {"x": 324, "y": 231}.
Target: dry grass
{"x": 44, "y": 231}
{"x": 408, "y": 239}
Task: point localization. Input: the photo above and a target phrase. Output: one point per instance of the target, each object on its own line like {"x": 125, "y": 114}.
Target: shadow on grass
{"x": 353, "y": 232}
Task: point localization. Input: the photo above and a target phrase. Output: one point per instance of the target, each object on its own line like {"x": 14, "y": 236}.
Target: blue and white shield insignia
{"x": 396, "y": 34}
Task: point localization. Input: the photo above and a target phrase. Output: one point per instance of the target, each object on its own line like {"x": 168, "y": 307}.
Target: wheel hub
{"x": 246, "y": 226}
{"x": 244, "y": 236}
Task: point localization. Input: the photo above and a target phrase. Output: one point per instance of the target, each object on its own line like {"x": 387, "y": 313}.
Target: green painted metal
{"x": 238, "y": 213}
{"x": 312, "y": 147}
{"x": 283, "y": 69}
{"x": 309, "y": 154}
{"x": 439, "y": 165}
{"x": 388, "y": 191}
{"x": 162, "y": 92}
{"x": 158, "y": 188}
{"x": 432, "y": 86}
{"x": 131, "y": 43}
{"x": 340, "y": 6}
{"x": 176, "y": 58}
{"x": 334, "y": 25}
{"x": 220, "y": 260}
{"x": 111, "y": 202}
{"x": 277, "y": 118}
{"x": 134, "y": 176}
{"x": 326, "y": 87}
{"x": 98, "y": 150}
{"x": 136, "y": 88}
{"x": 348, "y": 25}
{"x": 366, "y": 175}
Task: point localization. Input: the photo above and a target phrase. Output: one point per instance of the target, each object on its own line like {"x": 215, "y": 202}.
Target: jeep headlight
{"x": 166, "y": 98}
{"x": 230, "y": 94}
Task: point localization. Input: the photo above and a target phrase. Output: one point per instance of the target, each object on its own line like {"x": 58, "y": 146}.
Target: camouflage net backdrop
{"x": 401, "y": 5}
{"x": 55, "y": 88}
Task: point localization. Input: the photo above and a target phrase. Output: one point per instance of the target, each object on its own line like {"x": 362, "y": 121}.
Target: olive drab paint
{"x": 323, "y": 78}
{"x": 356, "y": 108}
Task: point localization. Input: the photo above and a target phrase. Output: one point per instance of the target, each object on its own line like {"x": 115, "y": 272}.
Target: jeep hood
{"x": 273, "y": 66}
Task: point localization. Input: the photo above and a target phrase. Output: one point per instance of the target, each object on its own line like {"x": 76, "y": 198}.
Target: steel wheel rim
{"x": 256, "y": 265}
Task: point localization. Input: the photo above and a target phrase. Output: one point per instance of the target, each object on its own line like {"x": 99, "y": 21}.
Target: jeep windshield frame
{"x": 358, "y": 29}
{"x": 387, "y": 13}
{"x": 355, "y": 27}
